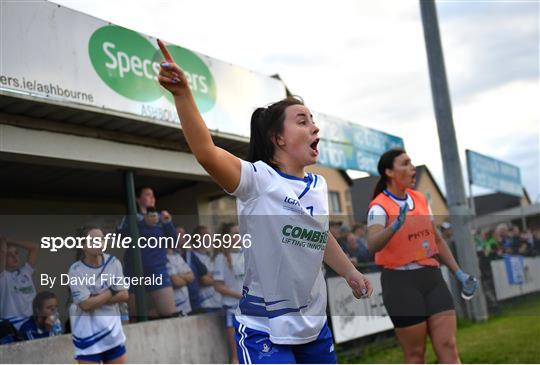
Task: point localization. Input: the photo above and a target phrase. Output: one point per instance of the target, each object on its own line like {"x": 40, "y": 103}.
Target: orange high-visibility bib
{"x": 415, "y": 240}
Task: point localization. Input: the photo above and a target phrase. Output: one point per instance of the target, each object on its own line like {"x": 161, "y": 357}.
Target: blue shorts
{"x": 108, "y": 355}
{"x": 255, "y": 347}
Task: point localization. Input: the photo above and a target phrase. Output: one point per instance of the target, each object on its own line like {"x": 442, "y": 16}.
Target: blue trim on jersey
{"x": 291, "y": 177}
{"x": 309, "y": 180}
{"x": 111, "y": 257}
{"x": 180, "y": 302}
{"x": 105, "y": 356}
{"x": 95, "y": 267}
{"x": 395, "y": 197}
{"x": 252, "y": 305}
{"x": 315, "y": 184}
{"x": 254, "y": 168}
{"x": 85, "y": 342}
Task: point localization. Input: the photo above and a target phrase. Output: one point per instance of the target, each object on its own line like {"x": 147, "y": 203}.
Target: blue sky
{"x": 365, "y": 61}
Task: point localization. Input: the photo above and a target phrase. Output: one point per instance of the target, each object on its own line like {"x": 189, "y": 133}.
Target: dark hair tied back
{"x": 266, "y": 124}
{"x": 386, "y": 161}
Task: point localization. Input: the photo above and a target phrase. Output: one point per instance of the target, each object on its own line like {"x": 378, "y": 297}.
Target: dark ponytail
{"x": 386, "y": 161}
{"x": 266, "y": 124}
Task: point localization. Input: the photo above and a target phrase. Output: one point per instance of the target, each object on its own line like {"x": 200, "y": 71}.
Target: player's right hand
{"x": 172, "y": 78}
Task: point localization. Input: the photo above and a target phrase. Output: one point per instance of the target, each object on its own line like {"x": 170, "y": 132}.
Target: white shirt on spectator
{"x": 101, "y": 329}
{"x": 210, "y": 298}
{"x": 232, "y": 278}
{"x": 176, "y": 265}
{"x": 17, "y": 292}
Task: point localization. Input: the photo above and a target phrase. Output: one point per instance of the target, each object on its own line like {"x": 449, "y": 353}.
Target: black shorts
{"x": 411, "y": 296}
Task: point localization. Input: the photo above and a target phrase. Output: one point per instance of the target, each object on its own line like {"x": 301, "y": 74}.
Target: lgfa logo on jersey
{"x": 129, "y": 64}
{"x": 292, "y": 205}
{"x": 291, "y": 201}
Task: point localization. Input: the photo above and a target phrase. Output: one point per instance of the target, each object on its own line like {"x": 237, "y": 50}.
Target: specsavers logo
{"x": 129, "y": 64}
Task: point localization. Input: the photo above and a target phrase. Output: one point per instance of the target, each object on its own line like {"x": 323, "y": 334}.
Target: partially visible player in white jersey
{"x": 181, "y": 276}
{"x": 96, "y": 326}
{"x": 282, "y": 314}
{"x": 229, "y": 272}
{"x": 17, "y": 290}
{"x": 209, "y": 298}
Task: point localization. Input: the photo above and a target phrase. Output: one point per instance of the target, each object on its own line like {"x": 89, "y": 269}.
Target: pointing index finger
{"x": 165, "y": 52}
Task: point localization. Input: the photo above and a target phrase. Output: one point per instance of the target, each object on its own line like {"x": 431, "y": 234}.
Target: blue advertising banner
{"x": 493, "y": 174}
{"x": 515, "y": 269}
{"x": 345, "y": 145}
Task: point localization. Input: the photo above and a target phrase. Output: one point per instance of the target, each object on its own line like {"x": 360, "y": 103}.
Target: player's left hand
{"x": 360, "y": 284}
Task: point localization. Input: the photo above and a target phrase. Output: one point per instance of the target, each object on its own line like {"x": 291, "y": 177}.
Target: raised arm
{"x": 222, "y": 166}
{"x": 31, "y": 247}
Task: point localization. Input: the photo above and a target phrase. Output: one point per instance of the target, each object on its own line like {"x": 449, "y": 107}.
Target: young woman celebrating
{"x": 407, "y": 244}
{"x": 283, "y": 212}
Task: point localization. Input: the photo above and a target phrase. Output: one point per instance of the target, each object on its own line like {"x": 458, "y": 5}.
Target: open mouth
{"x": 314, "y": 145}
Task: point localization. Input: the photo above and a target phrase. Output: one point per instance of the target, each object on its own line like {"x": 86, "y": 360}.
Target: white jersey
{"x": 17, "y": 292}
{"x": 101, "y": 329}
{"x": 233, "y": 278}
{"x": 177, "y": 265}
{"x": 209, "y": 297}
{"x": 284, "y": 292}
{"x": 377, "y": 215}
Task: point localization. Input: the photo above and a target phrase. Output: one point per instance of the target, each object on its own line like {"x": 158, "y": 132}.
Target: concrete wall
{"x": 196, "y": 339}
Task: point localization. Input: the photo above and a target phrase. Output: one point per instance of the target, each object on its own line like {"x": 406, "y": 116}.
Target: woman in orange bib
{"x": 408, "y": 246}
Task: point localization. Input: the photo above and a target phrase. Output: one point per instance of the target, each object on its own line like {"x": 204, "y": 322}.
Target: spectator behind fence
{"x": 200, "y": 273}
{"x": 536, "y": 240}
{"x": 334, "y": 227}
{"x": 526, "y": 243}
{"x": 502, "y": 236}
{"x": 154, "y": 259}
{"x": 229, "y": 274}
{"x": 210, "y": 300}
{"x": 17, "y": 289}
{"x": 45, "y": 320}
{"x": 515, "y": 240}
{"x": 181, "y": 276}
{"x": 364, "y": 256}
{"x": 96, "y": 327}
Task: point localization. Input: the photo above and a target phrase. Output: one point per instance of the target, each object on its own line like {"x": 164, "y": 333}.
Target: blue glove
{"x": 469, "y": 284}
{"x": 401, "y": 217}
